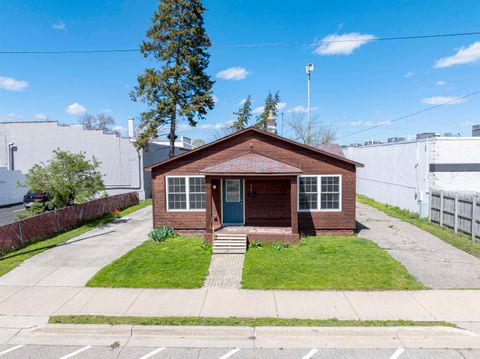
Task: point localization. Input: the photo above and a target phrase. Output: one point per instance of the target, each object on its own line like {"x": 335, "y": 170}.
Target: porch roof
{"x": 252, "y": 164}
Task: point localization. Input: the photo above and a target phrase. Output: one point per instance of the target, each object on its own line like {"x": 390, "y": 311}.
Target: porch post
{"x": 208, "y": 204}
{"x": 293, "y": 205}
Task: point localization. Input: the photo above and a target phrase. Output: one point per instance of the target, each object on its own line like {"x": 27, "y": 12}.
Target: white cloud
{"x": 41, "y": 116}
{"x": 58, "y": 25}
{"x": 215, "y": 98}
{"x": 443, "y": 100}
{"x": 366, "y": 123}
{"x": 280, "y": 106}
{"x": 440, "y": 83}
{"x": 242, "y": 101}
{"x": 378, "y": 112}
{"x": 10, "y": 84}
{"x": 465, "y": 55}
{"x": 342, "y": 44}
{"x": 233, "y": 73}
{"x": 410, "y": 73}
{"x": 75, "y": 109}
{"x": 340, "y": 26}
{"x": 204, "y": 126}
{"x": 120, "y": 129}
{"x": 301, "y": 109}
{"x": 10, "y": 116}
{"x": 467, "y": 124}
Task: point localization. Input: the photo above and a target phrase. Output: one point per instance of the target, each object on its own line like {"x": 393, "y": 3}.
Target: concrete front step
{"x": 230, "y": 243}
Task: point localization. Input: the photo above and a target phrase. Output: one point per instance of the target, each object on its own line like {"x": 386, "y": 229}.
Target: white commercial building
{"x": 24, "y": 144}
{"x": 402, "y": 173}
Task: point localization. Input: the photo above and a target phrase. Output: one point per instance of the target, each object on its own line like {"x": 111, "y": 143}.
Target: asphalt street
{"x": 104, "y": 352}
{"x": 8, "y": 214}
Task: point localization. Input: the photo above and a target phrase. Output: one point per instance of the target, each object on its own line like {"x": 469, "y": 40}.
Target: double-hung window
{"x": 186, "y": 193}
{"x": 320, "y": 193}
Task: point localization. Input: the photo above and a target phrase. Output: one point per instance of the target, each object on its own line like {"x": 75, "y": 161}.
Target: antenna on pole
{"x": 308, "y": 70}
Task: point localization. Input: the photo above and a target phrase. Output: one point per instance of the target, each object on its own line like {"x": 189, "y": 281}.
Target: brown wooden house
{"x": 257, "y": 184}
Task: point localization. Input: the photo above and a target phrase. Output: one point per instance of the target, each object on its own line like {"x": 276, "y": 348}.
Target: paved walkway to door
{"x": 225, "y": 271}
{"x": 432, "y": 261}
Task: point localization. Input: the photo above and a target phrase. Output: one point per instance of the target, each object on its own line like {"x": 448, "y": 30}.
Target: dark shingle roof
{"x": 253, "y": 164}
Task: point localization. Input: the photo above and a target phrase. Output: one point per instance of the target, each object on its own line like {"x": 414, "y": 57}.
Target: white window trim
{"x": 319, "y": 194}
{"x": 187, "y": 191}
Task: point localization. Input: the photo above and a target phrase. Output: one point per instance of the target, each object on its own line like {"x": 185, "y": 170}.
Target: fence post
{"x": 20, "y": 232}
{"x": 474, "y": 214}
{"x": 58, "y": 220}
{"x": 441, "y": 208}
{"x": 455, "y": 213}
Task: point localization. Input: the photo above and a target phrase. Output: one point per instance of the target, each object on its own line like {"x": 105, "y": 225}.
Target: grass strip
{"x": 458, "y": 240}
{"x": 238, "y": 321}
{"x": 13, "y": 259}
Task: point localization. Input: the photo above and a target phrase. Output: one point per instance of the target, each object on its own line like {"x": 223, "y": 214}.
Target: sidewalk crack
{"x": 276, "y": 306}
{"x": 351, "y": 305}
{"x": 133, "y": 302}
{"x": 203, "y": 302}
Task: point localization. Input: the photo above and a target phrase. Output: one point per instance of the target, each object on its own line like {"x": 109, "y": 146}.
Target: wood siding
{"x": 278, "y": 207}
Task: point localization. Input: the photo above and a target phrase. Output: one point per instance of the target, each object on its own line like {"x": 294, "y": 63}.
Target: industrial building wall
{"x": 395, "y": 173}
{"x": 34, "y": 142}
{"x": 9, "y": 191}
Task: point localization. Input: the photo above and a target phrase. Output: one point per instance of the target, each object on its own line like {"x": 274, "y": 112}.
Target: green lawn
{"x": 459, "y": 240}
{"x": 12, "y": 260}
{"x": 236, "y": 321}
{"x": 325, "y": 262}
{"x": 179, "y": 262}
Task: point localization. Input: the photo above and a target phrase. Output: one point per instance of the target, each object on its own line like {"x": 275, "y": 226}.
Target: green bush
{"x": 279, "y": 246}
{"x": 255, "y": 245}
{"x": 161, "y": 233}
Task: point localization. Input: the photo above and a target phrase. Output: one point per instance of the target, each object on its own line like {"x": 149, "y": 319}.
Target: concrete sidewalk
{"x": 74, "y": 262}
{"x": 432, "y": 305}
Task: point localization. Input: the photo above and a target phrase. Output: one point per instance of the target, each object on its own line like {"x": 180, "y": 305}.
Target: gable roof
{"x": 332, "y": 148}
{"x": 253, "y": 164}
{"x": 264, "y": 133}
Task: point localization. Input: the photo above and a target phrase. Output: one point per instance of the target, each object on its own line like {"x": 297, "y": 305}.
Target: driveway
{"x": 433, "y": 262}
{"x": 8, "y": 214}
{"x": 73, "y": 263}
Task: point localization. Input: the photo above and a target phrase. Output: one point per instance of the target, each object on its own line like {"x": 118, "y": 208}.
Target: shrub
{"x": 255, "y": 245}
{"x": 279, "y": 246}
{"x": 161, "y": 233}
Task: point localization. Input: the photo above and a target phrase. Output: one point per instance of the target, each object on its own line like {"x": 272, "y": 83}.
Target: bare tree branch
{"x": 319, "y": 134}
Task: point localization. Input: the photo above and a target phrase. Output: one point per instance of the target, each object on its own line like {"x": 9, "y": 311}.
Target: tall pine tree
{"x": 271, "y": 103}
{"x": 243, "y": 115}
{"x": 179, "y": 89}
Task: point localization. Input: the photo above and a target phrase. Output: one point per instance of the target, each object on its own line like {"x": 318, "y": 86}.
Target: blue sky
{"x": 354, "y": 85}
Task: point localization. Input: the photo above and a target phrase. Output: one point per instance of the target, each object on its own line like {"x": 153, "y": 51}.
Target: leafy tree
{"x": 68, "y": 178}
{"x": 179, "y": 89}
{"x": 243, "y": 115}
{"x": 102, "y": 121}
{"x": 271, "y": 103}
{"x": 198, "y": 142}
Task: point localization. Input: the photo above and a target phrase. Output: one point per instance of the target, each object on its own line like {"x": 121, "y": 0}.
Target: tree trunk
{"x": 171, "y": 150}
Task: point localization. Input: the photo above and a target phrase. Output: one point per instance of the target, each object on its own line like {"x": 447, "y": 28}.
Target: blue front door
{"x": 233, "y": 202}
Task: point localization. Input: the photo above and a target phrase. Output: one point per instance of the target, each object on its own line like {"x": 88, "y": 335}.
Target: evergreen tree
{"x": 271, "y": 103}
{"x": 243, "y": 115}
{"x": 179, "y": 89}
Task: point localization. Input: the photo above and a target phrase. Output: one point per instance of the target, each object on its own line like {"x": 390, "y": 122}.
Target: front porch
{"x": 262, "y": 233}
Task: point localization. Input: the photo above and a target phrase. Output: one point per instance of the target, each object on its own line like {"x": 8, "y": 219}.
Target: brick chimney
{"x": 271, "y": 127}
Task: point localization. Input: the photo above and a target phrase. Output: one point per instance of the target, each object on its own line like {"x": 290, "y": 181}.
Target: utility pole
{"x": 308, "y": 70}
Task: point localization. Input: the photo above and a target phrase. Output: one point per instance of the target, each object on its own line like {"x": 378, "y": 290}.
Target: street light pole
{"x": 308, "y": 70}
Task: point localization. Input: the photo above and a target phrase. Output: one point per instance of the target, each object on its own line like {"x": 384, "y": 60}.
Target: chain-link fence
{"x": 17, "y": 234}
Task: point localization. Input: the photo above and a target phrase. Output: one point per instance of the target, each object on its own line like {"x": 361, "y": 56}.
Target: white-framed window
{"x": 319, "y": 193}
{"x": 185, "y": 193}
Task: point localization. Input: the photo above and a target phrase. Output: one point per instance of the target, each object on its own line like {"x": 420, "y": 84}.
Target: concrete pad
{"x": 316, "y": 337}
{"x": 313, "y": 305}
{"x": 192, "y": 337}
{"x": 111, "y": 301}
{"x": 50, "y": 334}
{"x": 387, "y": 306}
{"x": 37, "y": 300}
{"x": 168, "y": 302}
{"x": 68, "y": 277}
{"x": 22, "y": 321}
{"x": 26, "y": 275}
{"x": 451, "y": 305}
{"x": 7, "y": 291}
{"x": 75, "y": 305}
{"x": 238, "y": 303}
{"x": 7, "y": 334}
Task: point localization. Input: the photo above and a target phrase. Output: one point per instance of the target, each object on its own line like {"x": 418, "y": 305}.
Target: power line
{"x": 253, "y": 45}
{"x": 385, "y": 123}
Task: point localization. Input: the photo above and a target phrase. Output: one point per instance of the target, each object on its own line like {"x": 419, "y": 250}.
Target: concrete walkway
{"x": 432, "y": 261}
{"x": 73, "y": 263}
{"x": 436, "y": 305}
{"x": 225, "y": 271}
